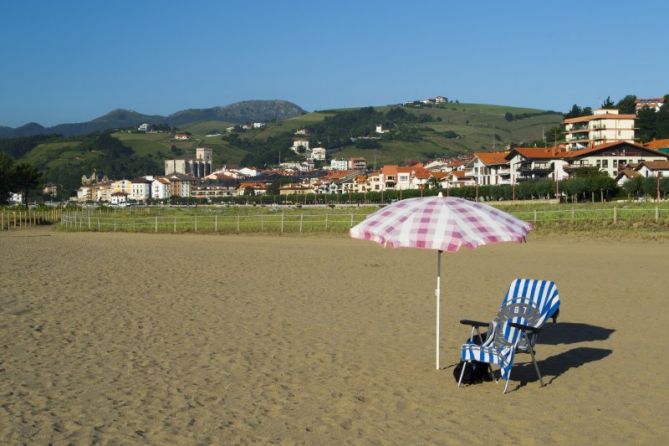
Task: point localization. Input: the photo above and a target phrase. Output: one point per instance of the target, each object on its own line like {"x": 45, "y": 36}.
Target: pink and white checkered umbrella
{"x": 442, "y": 224}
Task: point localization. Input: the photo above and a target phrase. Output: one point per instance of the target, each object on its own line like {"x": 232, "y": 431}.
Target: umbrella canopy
{"x": 443, "y": 224}
{"x": 440, "y": 223}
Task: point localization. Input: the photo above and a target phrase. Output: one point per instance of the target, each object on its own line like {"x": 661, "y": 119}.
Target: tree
{"x": 647, "y": 124}
{"x": 608, "y": 103}
{"x": 575, "y": 112}
{"x": 627, "y": 105}
{"x": 508, "y": 116}
{"x": 26, "y": 178}
{"x": 16, "y": 178}
{"x": 6, "y": 176}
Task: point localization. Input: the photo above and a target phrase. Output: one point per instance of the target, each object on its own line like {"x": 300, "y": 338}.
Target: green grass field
{"x": 599, "y": 219}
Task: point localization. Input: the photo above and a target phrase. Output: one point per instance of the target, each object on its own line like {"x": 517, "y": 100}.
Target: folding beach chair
{"x": 527, "y": 305}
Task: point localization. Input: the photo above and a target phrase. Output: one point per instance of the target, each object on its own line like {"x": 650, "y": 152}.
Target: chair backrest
{"x": 528, "y": 302}
{"x": 540, "y": 294}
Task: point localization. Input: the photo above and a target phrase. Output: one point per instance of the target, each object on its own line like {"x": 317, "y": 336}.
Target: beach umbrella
{"x": 442, "y": 224}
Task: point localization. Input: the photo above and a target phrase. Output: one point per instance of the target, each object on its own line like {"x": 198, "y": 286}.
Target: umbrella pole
{"x": 437, "y": 293}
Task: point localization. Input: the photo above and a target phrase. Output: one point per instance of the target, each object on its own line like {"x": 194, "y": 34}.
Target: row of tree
{"x": 577, "y": 189}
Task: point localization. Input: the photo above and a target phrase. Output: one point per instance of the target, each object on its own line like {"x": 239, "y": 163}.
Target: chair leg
{"x": 462, "y": 373}
{"x": 536, "y": 367}
{"x": 506, "y": 386}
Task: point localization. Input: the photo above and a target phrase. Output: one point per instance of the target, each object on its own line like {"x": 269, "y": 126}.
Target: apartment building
{"x": 603, "y": 126}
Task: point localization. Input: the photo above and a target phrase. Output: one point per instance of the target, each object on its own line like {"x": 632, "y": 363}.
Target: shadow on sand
{"x": 551, "y": 368}
{"x": 572, "y": 333}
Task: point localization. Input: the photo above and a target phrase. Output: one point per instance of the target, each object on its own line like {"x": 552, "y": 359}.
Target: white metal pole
{"x": 438, "y": 296}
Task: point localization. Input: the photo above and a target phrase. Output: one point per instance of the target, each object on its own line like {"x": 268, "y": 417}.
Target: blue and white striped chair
{"x": 527, "y": 305}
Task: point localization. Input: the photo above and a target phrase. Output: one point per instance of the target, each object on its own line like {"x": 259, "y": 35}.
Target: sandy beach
{"x": 124, "y": 339}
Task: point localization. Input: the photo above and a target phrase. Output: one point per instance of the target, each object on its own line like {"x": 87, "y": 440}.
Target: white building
{"x": 300, "y": 142}
{"x": 119, "y": 198}
{"x": 604, "y": 126}
{"x": 141, "y": 189}
{"x": 160, "y": 189}
{"x": 318, "y": 153}
{"x": 258, "y": 125}
{"x": 653, "y": 168}
{"x": 380, "y": 129}
{"x": 337, "y": 164}
{"x": 490, "y": 168}
{"x": 144, "y": 127}
{"x": 613, "y": 157}
{"x": 653, "y": 103}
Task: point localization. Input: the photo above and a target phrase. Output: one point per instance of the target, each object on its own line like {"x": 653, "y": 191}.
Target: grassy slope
{"x": 476, "y": 123}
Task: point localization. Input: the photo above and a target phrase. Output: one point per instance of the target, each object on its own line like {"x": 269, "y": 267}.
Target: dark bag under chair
{"x": 476, "y": 372}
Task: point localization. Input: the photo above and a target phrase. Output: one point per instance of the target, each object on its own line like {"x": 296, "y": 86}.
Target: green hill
{"x": 239, "y": 112}
{"x": 415, "y": 134}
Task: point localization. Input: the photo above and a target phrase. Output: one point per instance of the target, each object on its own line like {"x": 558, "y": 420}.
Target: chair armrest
{"x": 474, "y": 323}
{"x": 525, "y": 327}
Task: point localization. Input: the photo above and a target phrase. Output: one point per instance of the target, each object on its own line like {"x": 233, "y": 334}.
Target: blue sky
{"x": 70, "y": 61}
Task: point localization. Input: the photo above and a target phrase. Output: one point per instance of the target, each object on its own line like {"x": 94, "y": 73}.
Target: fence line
{"x": 14, "y": 219}
{"x": 328, "y": 222}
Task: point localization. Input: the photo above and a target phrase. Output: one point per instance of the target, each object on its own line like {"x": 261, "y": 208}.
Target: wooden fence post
{"x": 572, "y": 215}
{"x": 175, "y": 224}
{"x": 657, "y": 214}
{"x": 98, "y": 224}
{"x": 216, "y": 223}
{"x": 326, "y": 222}
{"x": 615, "y": 214}
{"x": 282, "y": 222}
{"x": 156, "y": 225}
{"x": 237, "y": 223}
{"x": 196, "y": 223}
{"x": 351, "y": 221}
{"x": 301, "y": 219}
{"x": 262, "y": 223}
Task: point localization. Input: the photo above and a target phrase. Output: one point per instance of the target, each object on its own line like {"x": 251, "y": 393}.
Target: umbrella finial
{"x": 440, "y": 195}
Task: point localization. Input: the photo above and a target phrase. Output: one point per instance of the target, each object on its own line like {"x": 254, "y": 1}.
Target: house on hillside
{"x": 490, "y": 168}
{"x": 182, "y": 136}
{"x": 457, "y": 178}
{"x": 653, "y": 168}
{"x": 602, "y": 127}
{"x": 625, "y": 175}
{"x": 652, "y": 103}
{"x": 613, "y": 157}
{"x": 536, "y": 163}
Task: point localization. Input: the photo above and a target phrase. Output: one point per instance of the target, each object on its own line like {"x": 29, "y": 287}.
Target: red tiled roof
{"x": 592, "y": 149}
{"x": 539, "y": 152}
{"x": 658, "y": 144}
{"x": 492, "y": 158}
{"x": 655, "y": 165}
{"x": 597, "y": 117}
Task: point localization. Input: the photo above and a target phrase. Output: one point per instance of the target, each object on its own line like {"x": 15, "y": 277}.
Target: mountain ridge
{"x": 236, "y": 113}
